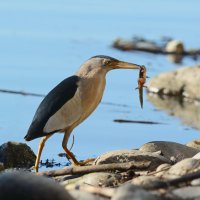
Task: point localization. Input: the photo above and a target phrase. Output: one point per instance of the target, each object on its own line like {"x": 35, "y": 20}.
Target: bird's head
{"x": 104, "y": 64}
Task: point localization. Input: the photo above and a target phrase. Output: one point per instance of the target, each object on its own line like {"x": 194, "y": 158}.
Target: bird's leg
{"x": 40, "y": 148}
{"x": 64, "y": 145}
{"x": 67, "y": 151}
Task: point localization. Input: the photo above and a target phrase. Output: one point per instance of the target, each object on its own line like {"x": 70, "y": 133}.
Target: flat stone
{"x": 170, "y": 150}
{"x": 27, "y": 186}
{"x": 194, "y": 144}
{"x": 183, "y": 82}
{"x": 183, "y": 167}
{"x": 19, "y": 155}
{"x": 121, "y": 156}
{"x": 81, "y": 195}
{"x": 131, "y": 192}
{"x": 96, "y": 179}
{"x": 190, "y": 192}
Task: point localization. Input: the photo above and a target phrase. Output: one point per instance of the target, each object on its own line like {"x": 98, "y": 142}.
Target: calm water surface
{"x": 43, "y": 42}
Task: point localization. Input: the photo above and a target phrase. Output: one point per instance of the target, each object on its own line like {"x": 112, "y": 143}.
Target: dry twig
{"x": 97, "y": 168}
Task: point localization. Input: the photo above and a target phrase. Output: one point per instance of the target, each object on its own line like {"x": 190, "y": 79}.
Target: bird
{"x": 72, "y": 101}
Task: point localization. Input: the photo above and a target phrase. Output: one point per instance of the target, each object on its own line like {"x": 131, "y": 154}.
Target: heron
{"x": 72, "y": 101}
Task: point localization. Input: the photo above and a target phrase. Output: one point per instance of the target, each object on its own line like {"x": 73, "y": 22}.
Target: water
{"x": 43, "y": 42}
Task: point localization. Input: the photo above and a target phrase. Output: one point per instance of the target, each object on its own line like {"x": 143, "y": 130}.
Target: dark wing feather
{"x": 54, "y": 100}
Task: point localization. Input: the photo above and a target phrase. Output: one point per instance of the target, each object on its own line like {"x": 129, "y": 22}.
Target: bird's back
{"x": 54, "y": 100}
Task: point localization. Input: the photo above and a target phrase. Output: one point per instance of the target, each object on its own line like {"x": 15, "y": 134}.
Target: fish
{"x": 141, "y": 82}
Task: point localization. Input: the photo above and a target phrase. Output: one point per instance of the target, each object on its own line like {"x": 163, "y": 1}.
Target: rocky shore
{"x": 157, "y": 170}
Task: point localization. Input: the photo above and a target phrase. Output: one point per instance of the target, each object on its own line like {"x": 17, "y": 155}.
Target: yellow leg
{"x": 67, "y": 151}
{"x": 40, "y": 148}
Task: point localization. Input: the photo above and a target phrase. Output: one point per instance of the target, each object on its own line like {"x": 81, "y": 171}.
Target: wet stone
{"x": 16, "y": 155}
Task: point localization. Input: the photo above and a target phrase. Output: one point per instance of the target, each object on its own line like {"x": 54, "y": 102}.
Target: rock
{"x": 1, "y": 166}
{"x": 23, "y": 186}
{"x": 187, "y": 192}
{"x": 131, "y": 192}
{"x": 121, "y": 156}
{"x": 194, "y": 144}
{"x": 187, "y": 111}
{"x": 96, "y": 179}
{"x": 169, "y": 150}
{"x": 146, "y": 181}
{"x": 81, "y": 195}
{"x": 182, "y": 82}
{"x": 13, "y": 154}
{"x": 174, "y": 46}
{"x": 188, "y": 165}
{"x": 197, "y": 156}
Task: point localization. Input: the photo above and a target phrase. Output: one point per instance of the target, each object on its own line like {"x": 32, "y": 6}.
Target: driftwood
{"x": 149, "y": 46}
{"x": 73, "y": 170}
{"x": 135, "y": 121}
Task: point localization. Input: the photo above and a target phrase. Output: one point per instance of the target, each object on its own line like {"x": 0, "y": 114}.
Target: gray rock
{"x": 80, "y": 195}
{"x": 183, "y": 167}
{"x": 96, "y": 179}
{"x": 187, "y": 192}
{"x": 23, "y": 186}
{"x": 131, "y": 192}
{"x": 121, "y": 156}
{"x": 169, "y": 149}
{"x": 194, "y": 144}
{"x": 184, "y": 82}
{"x": 13, "y": 154}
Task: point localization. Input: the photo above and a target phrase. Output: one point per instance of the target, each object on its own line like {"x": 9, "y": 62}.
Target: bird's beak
{"x": 126, "y": 65}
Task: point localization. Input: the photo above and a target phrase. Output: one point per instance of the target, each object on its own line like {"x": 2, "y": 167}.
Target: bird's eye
{"x": 106, "y": 62}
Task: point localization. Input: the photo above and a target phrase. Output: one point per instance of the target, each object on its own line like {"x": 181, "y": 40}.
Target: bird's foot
{"x": 85, "y": 162}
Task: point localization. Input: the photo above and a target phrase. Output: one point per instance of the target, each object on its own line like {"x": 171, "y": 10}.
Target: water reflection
{"x": 188, "y": 112}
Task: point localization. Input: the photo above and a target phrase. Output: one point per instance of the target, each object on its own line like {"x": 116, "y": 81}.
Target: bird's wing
{"x": 59, "y": 108}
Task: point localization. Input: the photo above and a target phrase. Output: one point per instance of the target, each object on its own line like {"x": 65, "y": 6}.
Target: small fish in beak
{"x": 141, "y": 82}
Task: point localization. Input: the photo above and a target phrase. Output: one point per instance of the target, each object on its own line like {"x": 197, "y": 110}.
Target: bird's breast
{"x": 91, "y": 94}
